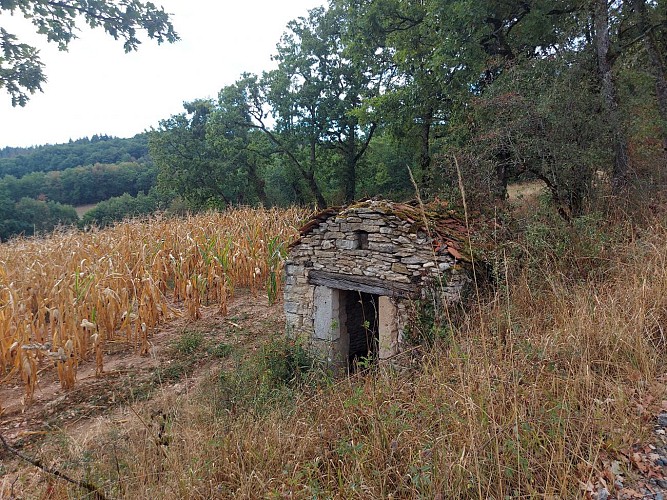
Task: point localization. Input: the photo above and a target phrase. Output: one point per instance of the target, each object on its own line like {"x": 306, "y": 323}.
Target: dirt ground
{"x": 129, "y": 378}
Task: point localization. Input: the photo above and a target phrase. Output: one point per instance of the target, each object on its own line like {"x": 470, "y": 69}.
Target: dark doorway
{"x": 361, "y": 311}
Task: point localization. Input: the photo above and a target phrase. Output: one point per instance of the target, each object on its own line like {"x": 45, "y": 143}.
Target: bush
{"x": 269, "y": 377}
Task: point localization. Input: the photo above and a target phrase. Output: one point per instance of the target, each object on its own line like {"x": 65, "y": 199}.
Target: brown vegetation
{"x": 548, "y": 379}
{"x": 62, "y": 298}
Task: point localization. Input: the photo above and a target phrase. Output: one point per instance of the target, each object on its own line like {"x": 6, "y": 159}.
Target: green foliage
{"x": 364, "y": 90}
{"x": 30, "y": 217}
{"x": 541, "y": 119}
{"x": 21, "y": 68}
{"x": 101, "y": 149}
{"x": 432, "y": 322}
{"x": 277, "y": 254}
{"x": 221, "y": 350}
{"x": 83, "y": 185}
{"x": 205, "y": 158}
{"x": 189, "y": 342}
{"x": 269, "y": 377}
{"x": 317, "y": 94}
{"x": 125, "y": 207}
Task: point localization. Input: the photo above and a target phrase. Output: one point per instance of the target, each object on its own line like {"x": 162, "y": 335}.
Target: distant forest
{"x": 87, "y": 151}
{"x": 40, "y": 186}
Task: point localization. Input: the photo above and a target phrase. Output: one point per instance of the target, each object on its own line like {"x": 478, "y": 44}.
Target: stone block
{"x": 346, "y": 227}
{"x": 381, "y": 247}
{"x": 378, "y": 238}
{"x": 398, "y": 278}
{"x": 387, "y": 328}
{"x": 291, "y": 307}
{"x": 397, "y": 267}
{"x": 402, "y": 240}
{"x": 347, "y": 244}
{"x": 413, "y": 260}
{"x": 326, "y": 313}
{"x": 294, "y": 269}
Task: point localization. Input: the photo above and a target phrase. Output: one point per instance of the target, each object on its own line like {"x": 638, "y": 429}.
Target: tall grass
{"x": 534, "y": 388}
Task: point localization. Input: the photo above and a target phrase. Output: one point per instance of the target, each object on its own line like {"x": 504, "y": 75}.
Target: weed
{"x": 270, "y": 376}
{"x": 220, "y": 350}
{"x": 189, "y": 343}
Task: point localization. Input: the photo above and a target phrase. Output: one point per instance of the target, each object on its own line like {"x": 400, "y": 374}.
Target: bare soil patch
{"x": 128, "y": 377}
{"x": 81, "y": 210}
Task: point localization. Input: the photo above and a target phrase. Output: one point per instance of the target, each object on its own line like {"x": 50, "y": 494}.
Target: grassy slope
{"x": 545, "y": 379}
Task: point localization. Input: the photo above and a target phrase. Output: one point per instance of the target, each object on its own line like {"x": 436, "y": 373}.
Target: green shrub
{"x": 189, "y": 342}
{"x": 270, "y": 377}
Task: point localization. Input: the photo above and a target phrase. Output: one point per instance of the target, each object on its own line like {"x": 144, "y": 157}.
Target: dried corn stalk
{"x": 70, "y": 293}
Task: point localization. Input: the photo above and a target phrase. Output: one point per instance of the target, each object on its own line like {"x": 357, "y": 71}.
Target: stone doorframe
{"x": 331, "y": 327}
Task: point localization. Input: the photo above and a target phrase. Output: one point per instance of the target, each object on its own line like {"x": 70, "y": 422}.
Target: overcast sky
{"x": 96, "y": 88}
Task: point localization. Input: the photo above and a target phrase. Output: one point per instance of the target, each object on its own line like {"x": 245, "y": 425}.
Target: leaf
{"x": 455, "y": 253}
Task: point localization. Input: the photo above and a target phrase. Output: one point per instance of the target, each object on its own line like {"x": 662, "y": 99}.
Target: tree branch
{"x": 91, "y": 488}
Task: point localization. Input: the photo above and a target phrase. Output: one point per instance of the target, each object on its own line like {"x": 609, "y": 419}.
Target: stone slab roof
{"x": 444, "y": 226}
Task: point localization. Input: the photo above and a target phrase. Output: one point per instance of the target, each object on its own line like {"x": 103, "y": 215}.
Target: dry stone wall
{"x": 369, "y": 249}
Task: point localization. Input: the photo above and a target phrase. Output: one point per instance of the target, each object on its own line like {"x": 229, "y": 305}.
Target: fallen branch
{"x": 91, "y": 488}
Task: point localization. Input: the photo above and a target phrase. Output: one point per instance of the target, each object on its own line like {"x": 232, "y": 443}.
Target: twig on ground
{"x": 91, "y": 488}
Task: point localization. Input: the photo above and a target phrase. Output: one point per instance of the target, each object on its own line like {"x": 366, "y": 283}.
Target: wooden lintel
{"x": 363, "y": 284}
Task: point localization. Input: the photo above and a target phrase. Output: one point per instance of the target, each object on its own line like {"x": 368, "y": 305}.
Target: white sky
{"x": 96, "y": 88}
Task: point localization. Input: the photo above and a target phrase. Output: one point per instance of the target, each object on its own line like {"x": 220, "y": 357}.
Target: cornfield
{"x": 63, "y": 297}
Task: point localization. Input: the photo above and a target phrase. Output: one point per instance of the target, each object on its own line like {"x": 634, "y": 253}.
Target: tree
{"x": 205, "y": 158}
{"x": 252, "y": 106}
{"x": 647, "y": 27}
{"x": 445, "y": 54}
{"x": 21, "y": 70}
{"x": 605, "y": 59}
{"x": 317, "y": 94}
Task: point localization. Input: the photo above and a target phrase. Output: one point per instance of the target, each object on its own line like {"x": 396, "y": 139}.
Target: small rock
{"x": 662, "y": 483}
{"x": 662, "y": 419}
{"x": 603, "y": 494}
{"x": 659, "y": 496}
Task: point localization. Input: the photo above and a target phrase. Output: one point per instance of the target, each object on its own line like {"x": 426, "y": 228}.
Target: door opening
{"x": 361, "y": 322}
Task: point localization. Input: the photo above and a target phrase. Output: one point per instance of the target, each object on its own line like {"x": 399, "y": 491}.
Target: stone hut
{"x": 352, "y": 274}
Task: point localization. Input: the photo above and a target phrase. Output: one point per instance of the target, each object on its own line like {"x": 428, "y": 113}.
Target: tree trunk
{"x": 258, "y": 183}
{"x": 620, "y": 171}
{"x": 657, "y": 65}
{"x": 350, "y": 172}
{"x": 310, "y": 177}
{"x": 425, "y": 153}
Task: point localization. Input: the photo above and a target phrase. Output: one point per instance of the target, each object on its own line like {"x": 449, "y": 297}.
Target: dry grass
{"x": 524, "y": 400}
{"x": 64, "y": 296}
{"x": 519, "y": 191}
